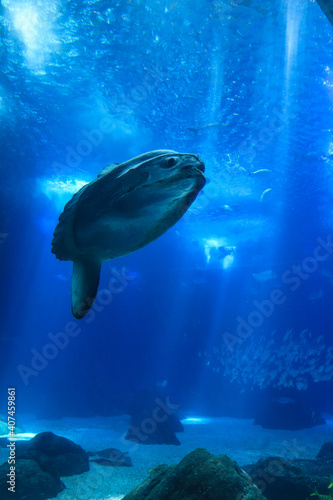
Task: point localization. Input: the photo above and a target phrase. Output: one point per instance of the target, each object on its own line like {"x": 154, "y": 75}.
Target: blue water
{"x": 248, "y": 86}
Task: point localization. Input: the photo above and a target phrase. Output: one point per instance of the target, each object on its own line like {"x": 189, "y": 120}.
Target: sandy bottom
{"x": 237, "y": 438}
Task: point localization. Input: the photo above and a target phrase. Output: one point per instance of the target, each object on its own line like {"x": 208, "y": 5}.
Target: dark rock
{"x": 149, "y": 435}
{"x": 31, "y": 483}
{"x": 279, "y": 479}
{"x": 110, "y": 457}
{"x": 319, "y": 467}
{"x": 326, "y": 451}
{"x": 287, "y": 413}
{"x": 199, "y": 475}
{"x": 153, "y": 420}
{"x": 21, "y": 446}
{"x": 3, "y": 442}
{"x": 56, "y": 455}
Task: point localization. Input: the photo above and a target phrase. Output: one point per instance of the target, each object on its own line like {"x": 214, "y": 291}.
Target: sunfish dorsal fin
{"x": 85, "y": 279}
{"x": 327, "y": 7}
{"x": 107, "y": 169}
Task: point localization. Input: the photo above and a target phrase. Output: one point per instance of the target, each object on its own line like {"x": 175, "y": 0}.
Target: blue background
{"x": 247, "y": 85}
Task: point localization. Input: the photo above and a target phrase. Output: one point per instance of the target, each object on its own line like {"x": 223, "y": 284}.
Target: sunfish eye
{"x": 171, "y": 162}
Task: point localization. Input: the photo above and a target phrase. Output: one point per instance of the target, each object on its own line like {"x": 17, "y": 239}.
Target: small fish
{"x": 264, "y": 276}
{"x": 287, "y": 335}
{"x": 164, "y": 383}
{"x": 203, "y": 127}
{"x": 226, "y": 207}
{"x": 61, "y": 277}
{"x": 199, "y": 280}
{"x": 261, "y": 171}
{"x": 284, "y": 400}
{"x": 265, "y": 193}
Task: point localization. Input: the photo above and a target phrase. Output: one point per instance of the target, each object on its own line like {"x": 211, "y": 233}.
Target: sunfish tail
{"x": 85, "y": 280}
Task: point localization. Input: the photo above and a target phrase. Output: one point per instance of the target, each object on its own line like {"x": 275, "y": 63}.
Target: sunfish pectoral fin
{"x": 85, "y": 279}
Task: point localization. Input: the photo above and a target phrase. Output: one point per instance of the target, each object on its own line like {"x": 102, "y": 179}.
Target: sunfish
{"x": 125, "y": 208}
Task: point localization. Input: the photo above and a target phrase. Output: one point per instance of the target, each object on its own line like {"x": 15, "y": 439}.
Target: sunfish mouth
{"x": 201, "y": 167}
{"x": 196, "y": 165}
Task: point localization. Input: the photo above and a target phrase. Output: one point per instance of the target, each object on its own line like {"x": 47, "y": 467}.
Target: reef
{"x": 290, "y": 413}
{"x": 32, "y": 482}
{"x": 154, "y": 420}
{"x": 39, "y": 464}
{"x": 198, "y": 475}
{"x": 54, "y": 454}
{"x": 203, "y": 475}
{"x": 297, "y": 479}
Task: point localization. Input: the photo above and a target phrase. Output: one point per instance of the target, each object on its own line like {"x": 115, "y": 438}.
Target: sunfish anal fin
{"x": 85, "y": 279}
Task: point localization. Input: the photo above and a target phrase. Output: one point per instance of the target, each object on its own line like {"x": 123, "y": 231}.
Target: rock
{"x": 56, "y": 455}
{"x": 279, "y": 479}
{"x": 199, "y": 475}
{"x": 326, "y": 451}
{"x": 153, "y": 420}
{"x": 320, "y": 467}
{"x": 3, "y": 442}
{"x": 287, "y": 413}
{"x": 110, "y": 457}
{"x": 31, "y": 483}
